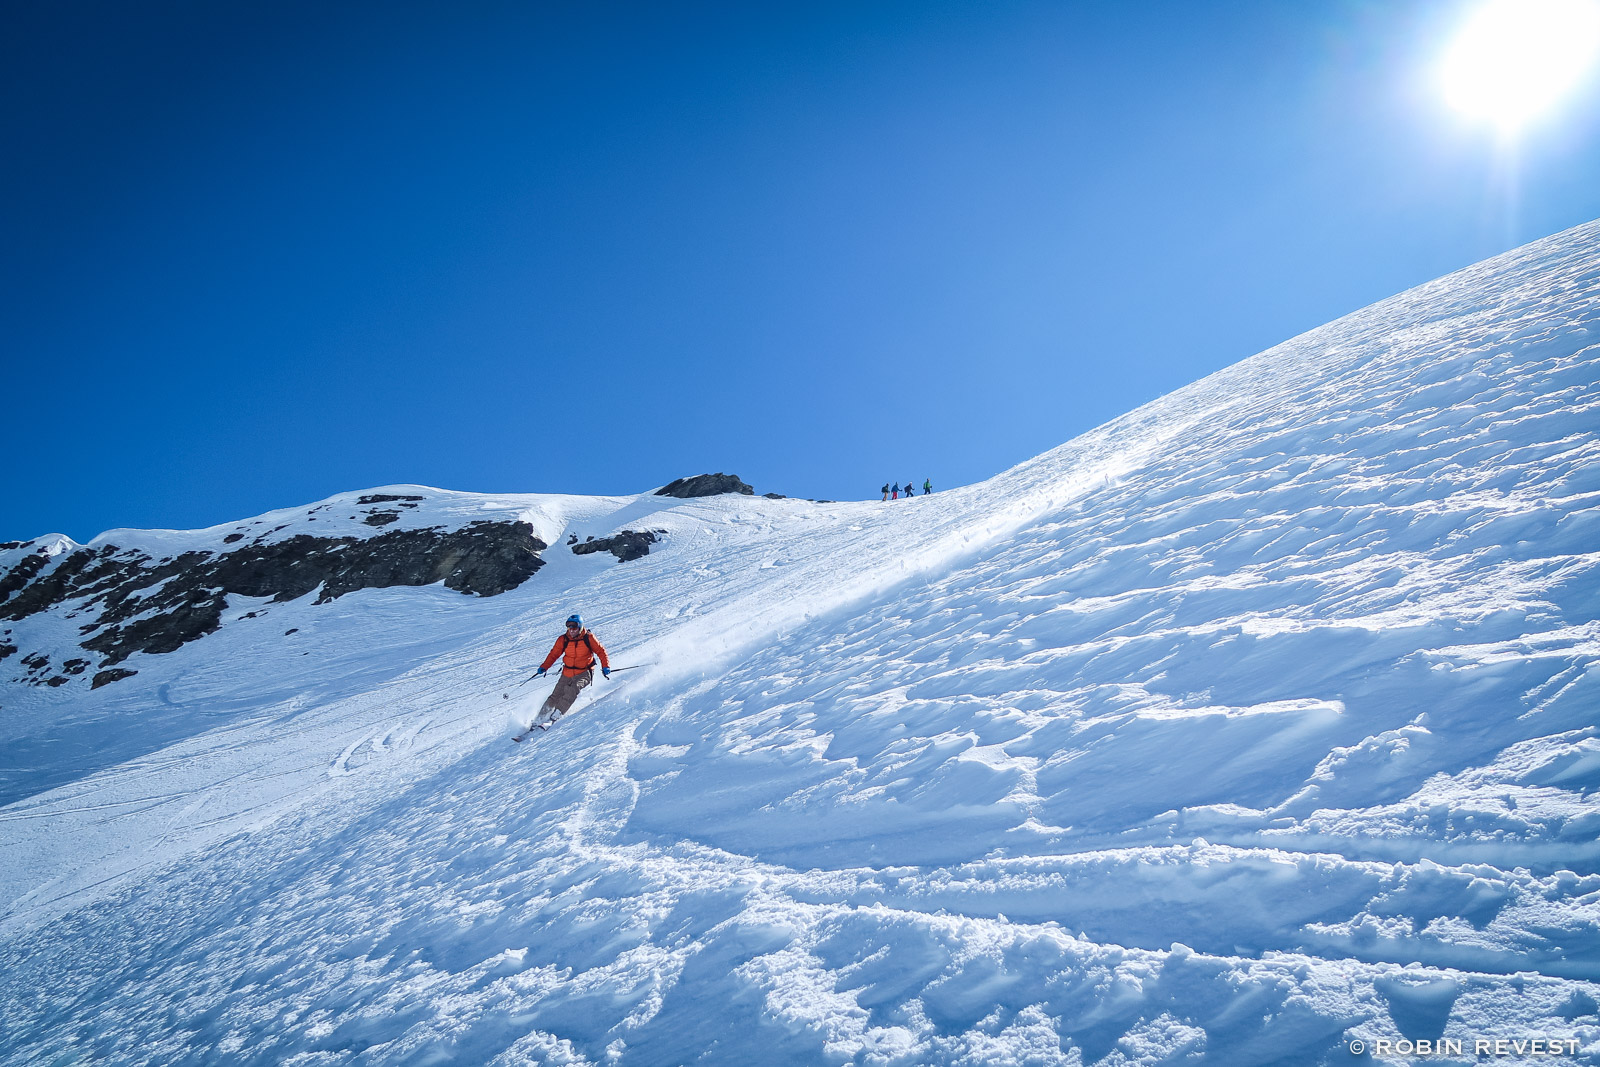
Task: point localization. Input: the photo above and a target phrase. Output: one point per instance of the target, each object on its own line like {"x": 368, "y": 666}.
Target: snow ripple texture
{"x": 1257, "y": 726}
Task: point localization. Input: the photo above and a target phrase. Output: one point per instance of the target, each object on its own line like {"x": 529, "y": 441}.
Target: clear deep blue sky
{"x": 258, "y": 253}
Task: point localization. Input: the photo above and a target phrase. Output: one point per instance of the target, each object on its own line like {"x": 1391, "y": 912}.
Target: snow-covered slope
{"x": 1256, "y": 726}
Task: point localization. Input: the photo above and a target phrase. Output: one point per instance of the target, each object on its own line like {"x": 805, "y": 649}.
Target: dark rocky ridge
{"x": 705, "y": 485}
{"x": 144, "y": 605}
{"x": 384, "y": 518}
{"x": 22, "y": 573}
{"x": 387, "y": 498}
{"x": 716, "y": 485}
{"x": 627, "y": 545}
{"x": 115, "y": 674}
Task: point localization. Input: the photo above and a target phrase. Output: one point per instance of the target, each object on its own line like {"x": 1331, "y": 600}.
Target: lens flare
{"x": 1515, "y": 59}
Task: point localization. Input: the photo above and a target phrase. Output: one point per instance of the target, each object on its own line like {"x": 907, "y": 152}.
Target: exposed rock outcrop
{"x": 627, "y": 545}
{"x": 705, "y": 485}
{"x": 145, "y": 605}
{"x": 388, "y": 498}
{"x": 23, "y": 573}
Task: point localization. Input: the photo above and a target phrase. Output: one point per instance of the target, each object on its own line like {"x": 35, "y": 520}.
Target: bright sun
{"x": 1513, "y": 59}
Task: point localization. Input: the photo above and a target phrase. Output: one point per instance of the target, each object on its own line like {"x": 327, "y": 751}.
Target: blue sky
{"x": 256, "y": 254}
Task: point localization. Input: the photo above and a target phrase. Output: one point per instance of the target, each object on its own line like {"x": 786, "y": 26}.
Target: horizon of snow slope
{"x": 1256, "y": 726}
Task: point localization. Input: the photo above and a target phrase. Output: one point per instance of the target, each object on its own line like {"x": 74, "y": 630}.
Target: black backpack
{"x": 585, "y": 637}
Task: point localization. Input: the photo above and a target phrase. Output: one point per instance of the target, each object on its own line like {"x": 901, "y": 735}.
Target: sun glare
{"x": 1514, "y": 59}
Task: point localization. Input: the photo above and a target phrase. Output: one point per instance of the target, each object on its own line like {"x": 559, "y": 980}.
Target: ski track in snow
{"x": 1255, "y": 722}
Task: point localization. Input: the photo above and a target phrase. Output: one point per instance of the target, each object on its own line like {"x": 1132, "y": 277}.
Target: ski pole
{"x": 636, "y": 666}
{"x": 518, "y": 685}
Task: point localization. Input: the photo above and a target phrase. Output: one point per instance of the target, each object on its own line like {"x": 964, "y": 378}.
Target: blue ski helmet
{"x": 575, "y": 620}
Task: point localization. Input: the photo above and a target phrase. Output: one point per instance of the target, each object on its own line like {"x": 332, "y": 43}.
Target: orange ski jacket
{"x": 578, "y": 653}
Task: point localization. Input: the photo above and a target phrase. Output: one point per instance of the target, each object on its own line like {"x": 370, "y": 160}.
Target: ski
{"x": 540, "y": 725}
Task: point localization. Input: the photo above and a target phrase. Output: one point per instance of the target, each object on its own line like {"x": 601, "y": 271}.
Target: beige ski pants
{"x": 566, "y": 691}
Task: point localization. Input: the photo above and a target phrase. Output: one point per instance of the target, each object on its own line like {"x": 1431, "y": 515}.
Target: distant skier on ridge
{"x": 577, "y": 648}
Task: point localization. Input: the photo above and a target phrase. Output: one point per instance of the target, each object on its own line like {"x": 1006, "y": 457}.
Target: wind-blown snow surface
{"x": 1255, "y": 723}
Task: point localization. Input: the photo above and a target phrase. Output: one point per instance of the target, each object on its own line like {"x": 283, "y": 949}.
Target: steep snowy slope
{"x": 1256, "y": 726}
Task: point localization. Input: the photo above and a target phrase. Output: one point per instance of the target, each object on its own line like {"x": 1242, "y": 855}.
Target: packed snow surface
{"x": 1256, "y": 726}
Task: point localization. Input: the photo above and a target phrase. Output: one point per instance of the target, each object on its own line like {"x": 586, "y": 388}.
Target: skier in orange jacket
{"x": 577, "y": 648}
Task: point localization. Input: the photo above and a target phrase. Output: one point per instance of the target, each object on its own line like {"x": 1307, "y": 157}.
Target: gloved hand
{"x": 539, "y": 673}
{"x": 605, "y": 672}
